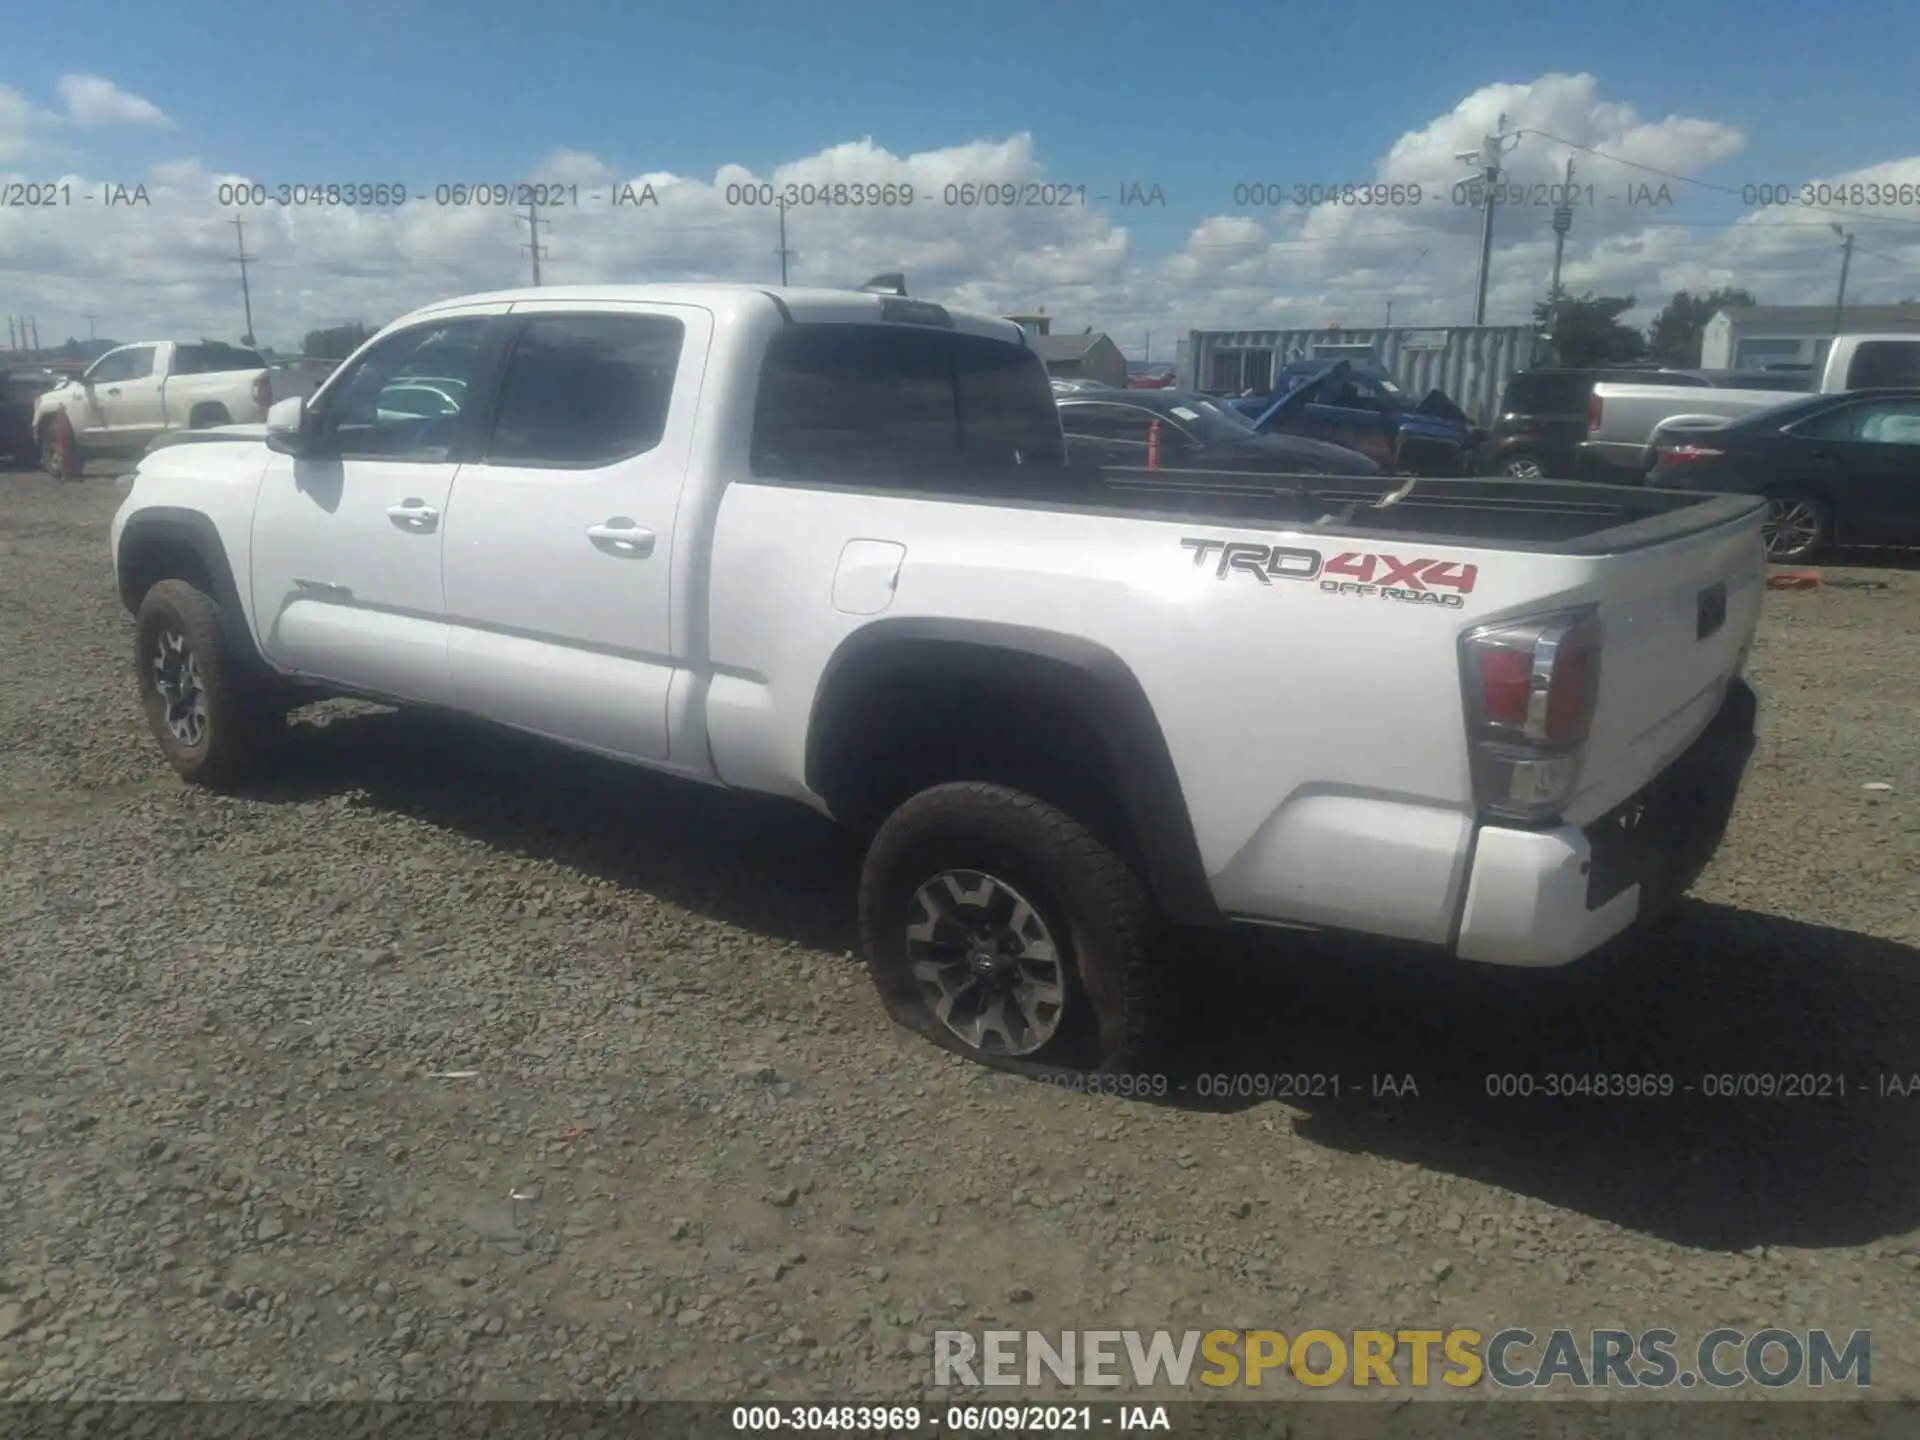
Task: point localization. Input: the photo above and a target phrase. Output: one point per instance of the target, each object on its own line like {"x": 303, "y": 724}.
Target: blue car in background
{"x": 1362, "y": 408}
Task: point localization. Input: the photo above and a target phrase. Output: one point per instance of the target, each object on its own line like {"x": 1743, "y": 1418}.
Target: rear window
{"x": 214, "y": 360}
{"x": 1884, "y": 362}
{"x": 1547, "y": 395}
{"x": 1788, "y": 382}
{"x": 871, "y": 397}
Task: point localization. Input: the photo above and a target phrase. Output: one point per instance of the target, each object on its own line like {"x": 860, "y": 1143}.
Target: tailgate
{"x": 1676, "y": 623}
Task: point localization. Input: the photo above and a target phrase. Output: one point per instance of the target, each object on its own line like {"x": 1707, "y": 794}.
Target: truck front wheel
{"x": 214, "y": 721}
{"x": 1004, "y": 930}
{"x": 60, "y": 453}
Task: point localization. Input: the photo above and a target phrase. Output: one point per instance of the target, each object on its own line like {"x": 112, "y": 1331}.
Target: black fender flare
{"x": 174, "y": 528}
{"x": 1111, "y": 699}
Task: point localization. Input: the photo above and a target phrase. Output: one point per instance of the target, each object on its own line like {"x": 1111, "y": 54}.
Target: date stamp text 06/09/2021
{"x": 61, "y": 193}
{"x": 520, "y": 195}
{"x": 1330, "y": 1086}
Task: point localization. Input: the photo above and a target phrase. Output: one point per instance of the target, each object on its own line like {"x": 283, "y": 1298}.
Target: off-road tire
{"x": 205, "y": 417}
{"x": 1120, "y": 1000}
{"x": 245, "y": 717}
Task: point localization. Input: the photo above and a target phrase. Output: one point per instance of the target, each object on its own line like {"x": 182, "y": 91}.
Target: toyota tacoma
{"x": 825, "y": 545}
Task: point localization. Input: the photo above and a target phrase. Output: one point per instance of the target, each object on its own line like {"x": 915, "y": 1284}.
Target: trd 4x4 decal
{"x": 1266, "y": 563}
{"x": 1362, "y": 572}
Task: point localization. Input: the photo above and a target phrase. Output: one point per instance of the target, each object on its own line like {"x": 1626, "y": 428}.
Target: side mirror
{"x": 286, "y": 425}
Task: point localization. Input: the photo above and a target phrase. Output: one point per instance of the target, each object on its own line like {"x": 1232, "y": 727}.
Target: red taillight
{"x": 1681, "y": 454}
{"x": 1574, "y": 684}
{"x": 1594, "y": 410}
{"x": 1506, "y": 680}
{"x": 1531, "y": 710}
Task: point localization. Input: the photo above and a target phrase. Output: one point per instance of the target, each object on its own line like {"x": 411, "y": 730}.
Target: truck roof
{"x": 728, "y": 300}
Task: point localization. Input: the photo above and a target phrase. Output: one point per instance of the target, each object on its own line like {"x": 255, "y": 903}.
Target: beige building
{"x": 1083, "y": 357}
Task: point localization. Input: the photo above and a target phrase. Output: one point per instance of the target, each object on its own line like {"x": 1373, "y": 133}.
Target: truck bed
{"x": 1554, "y": 516}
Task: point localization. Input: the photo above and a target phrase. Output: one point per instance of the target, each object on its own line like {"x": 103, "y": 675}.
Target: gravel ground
{"x": 450, "y": 1065}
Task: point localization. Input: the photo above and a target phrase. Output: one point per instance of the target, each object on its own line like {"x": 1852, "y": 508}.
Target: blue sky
{"x": 1195, "y": 98}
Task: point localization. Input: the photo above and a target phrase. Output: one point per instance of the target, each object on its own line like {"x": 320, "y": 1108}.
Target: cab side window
{"x": 1884, "y": 362}
{"x": 133, "y": 363}
{"x": 586, "y": 390}
{"x": 373, "y": 412}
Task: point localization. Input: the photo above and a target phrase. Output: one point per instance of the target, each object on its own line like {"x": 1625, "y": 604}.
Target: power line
{"x": 1890, "y": 259}
{"x": 1695, "y": 180}
{"x": 241, "y": 259}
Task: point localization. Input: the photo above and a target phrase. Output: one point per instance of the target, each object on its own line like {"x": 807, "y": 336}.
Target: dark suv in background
{"x": 1543, "y": 413}
{"x": 1543, "y": 418}
{"x": 19, "y": 390}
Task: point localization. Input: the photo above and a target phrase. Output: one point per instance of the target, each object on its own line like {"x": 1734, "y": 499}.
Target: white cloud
{"x": 168, "y": 268}
{"x": 23, "y": 127}
{"x": 93, "y": 100}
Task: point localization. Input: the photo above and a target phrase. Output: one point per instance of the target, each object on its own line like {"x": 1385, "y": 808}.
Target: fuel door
{"x": 868, "y": 574}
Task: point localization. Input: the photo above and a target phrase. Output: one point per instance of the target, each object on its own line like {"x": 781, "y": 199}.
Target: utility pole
{"x": 1846, "y": 263}
{"x": 33, "y": 326}
{"x": 241, "y": 258}
{"x": 533, "y": 246}
{"x": 1562, "y": 223}
{"x": 784, "y": 253}
{"x": 12, "y": 344}
{"x": 1389, "y": 312}
{"x": 90, "y": 318}
{"x": 1487, "y": 160}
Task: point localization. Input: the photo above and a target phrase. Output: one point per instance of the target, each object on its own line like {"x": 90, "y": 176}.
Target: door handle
{"x": 416, "y": 514}
{"x": 620, "y": 536}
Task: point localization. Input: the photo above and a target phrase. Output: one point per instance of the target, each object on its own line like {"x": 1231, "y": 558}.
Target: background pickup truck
{"x": 1621, "y": 419}
{"x": 132, "y": 395}
{"x": 699, "y": 529}
{"x": 1364, "y": 409}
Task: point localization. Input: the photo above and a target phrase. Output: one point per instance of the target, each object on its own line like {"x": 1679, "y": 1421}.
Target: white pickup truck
{"x": 1622, "y": 418}
{"x": 824, "y": 545}
{"x": 132, "y": 395}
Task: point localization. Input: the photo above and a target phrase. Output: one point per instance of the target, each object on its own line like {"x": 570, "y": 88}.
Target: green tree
{"x": 1674, "y": 337}
{"x": 336, "y": 342}
{"x": 1587, "y": 330}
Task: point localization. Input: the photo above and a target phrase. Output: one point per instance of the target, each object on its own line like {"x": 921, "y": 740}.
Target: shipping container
{"x": 1471, "y": 363}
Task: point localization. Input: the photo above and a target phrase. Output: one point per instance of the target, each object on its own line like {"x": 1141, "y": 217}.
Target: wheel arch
{"x": 168, "y": 542}
{"x": 868, "y": 696}
{"x": 1813, "y": 489}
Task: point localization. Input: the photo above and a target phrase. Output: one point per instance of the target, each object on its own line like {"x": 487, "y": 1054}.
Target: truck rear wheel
{"x": 214, "y": 722}
{"x": 1004, "y": 930}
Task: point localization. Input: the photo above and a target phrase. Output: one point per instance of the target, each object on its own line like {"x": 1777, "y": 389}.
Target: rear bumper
{"x": 1548, "y": 897}
{"x": 1613, "y": 458}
